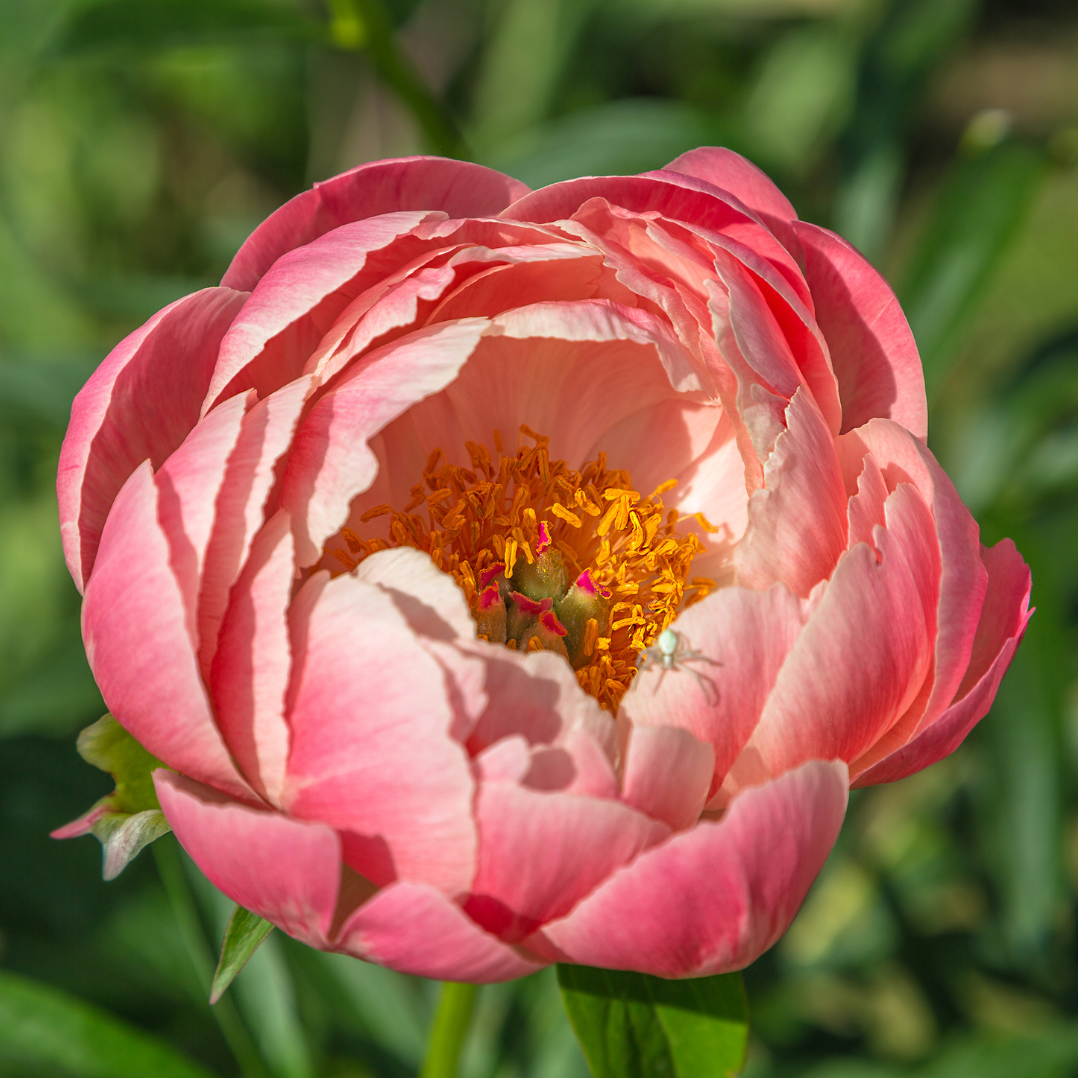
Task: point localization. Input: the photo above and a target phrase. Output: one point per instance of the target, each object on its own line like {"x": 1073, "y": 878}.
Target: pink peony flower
{"x": 508, "y": 577}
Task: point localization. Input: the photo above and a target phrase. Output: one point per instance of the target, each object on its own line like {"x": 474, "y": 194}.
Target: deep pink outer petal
{"x": 459, "y": 188}
{"x": 249, "y": 676}
{"x": 873, "y": 353}
{"x": 731, "y": 172}
{"x": 138, "y": 405}
{"x": 1004, "y": 617}
{"x": 284, "y": 870}
{"x": 299, "y": 298}
{"x": 963, "y": 577}
{"x": 415, "y": 929}
{"x": 135, "y": 629}
{"x": 714, "y": 898}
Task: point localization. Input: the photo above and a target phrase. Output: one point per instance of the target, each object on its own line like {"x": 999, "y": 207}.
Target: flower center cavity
{"x": 548, "y": 557}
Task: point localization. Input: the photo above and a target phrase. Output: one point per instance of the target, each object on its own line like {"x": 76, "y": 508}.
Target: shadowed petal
{"x": 371, "y": 747}
{"x": 746, "y": 635}
{"x": 712, "y": 899}
{"x": 1004, "y": 617}
{"x": 415, "y": 929}
{"x": 541, "y": 852}
{"x": 249, "y": 677}
{"x": 872, "y": 349}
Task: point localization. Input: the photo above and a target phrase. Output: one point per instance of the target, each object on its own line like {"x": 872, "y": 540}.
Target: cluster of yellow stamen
{"x": 492, "y": 512}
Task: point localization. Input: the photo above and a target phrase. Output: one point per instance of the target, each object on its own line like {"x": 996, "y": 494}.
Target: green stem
{"x": 170, "y": 869}
{"x": 449, "y": 1030}
{"x": 365, "y": 25}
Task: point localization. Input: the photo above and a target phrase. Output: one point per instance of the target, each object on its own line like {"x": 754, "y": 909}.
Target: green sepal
{"x": 631, "y": 1025}
{"x": 109, "y": 747}
{"x": 243, "y": 937}
{"x": 130, "y": 818}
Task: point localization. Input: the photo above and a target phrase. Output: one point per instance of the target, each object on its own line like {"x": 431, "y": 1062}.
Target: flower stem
{"x": 170, "y": 868}
{"x": 450, "y": 1027}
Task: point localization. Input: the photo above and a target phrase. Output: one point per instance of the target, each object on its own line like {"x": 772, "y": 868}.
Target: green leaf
{"x": 243, "y": 936}
{"x": 631, "y": 1025}
{"x": 110, "y": 24}
{"x": 48, "y": 1032}
{"x": 978, "y": 212}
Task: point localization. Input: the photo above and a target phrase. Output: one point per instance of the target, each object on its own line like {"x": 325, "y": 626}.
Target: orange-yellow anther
{"x": 498, "y": 514}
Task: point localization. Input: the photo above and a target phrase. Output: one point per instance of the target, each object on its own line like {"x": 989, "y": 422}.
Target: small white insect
{"x": 670, "y": 652}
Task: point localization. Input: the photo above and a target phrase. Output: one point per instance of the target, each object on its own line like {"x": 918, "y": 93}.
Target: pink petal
{"x": 371, "y": 747}
{"x": 134, "y": 626}
{"x": 536, "y": 695}
{"x": 139, "y": 404}
{"x": 667, "y": 774}
{"x": 962, "y": 582}
{"x": 856, "y": 666}
{"x": 550, "y": 273}
{"x": 731, "y": 172}
{"x": 459, "y": 188}
{"x": 541, "y": 852}
{"x": 910, "y": 524}
{"x": 240, "y": 507}
{"x": 429, "y": 599}
{"x": 249, "y": 676}
{"x": 712, "y": 899}
{"x": 872, "y": 349}
{"x": 284, "y": 870}
{"x": 330, "y": 462}
{"x": 1003, "y": 621}
{"x": 797, "y": 520}
{"x": 671, "y": 194}
{"x": 299, "y": 298}
{"x": 415, "y": 929}
{"x": 187, "y": 487}
{"x": 747, "y": 635}
{"x": 576, "y": 372}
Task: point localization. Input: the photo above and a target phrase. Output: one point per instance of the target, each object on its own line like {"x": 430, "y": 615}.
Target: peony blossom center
{"x": 548, "y": 557}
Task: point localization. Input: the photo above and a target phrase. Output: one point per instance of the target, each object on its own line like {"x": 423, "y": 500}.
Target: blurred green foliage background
{"x": 141, "y": 140}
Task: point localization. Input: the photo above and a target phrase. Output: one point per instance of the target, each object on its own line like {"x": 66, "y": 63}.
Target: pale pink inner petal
{"x": 439, "y": 941}
{"x": 608, "y": 394}
{"x": 540, "y": 853}
{"x": 371, "y": 748}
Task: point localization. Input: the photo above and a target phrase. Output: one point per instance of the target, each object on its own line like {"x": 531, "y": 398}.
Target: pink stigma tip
{"x": 531, "y": 606}
{"x": 544, "y": 538}
{"x": 488, "y": 574}
{"x": 583, "y": 582}
{"x": 489, "y": 596}
{"x": 550, "y": 622}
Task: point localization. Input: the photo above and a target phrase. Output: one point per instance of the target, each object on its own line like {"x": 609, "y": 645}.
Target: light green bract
{"x": 631, "y": 1025}
{"x": 130, "y": 818}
